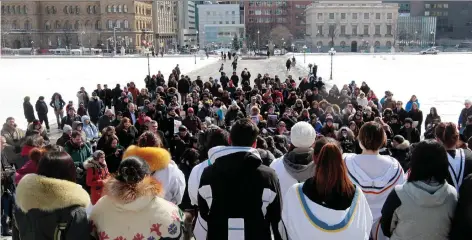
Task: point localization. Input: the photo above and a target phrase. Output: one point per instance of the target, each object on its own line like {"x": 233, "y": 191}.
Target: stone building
{"x": 351, "y": 25}
{"x": 165, "y": 27}
{"x": 74, "y": 24}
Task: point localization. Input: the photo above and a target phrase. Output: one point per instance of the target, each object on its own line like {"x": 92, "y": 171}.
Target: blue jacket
{"x": 409, "y": 105}
{"x": 89, "y": 129}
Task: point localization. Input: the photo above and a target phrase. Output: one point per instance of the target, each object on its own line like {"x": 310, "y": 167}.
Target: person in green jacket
{"x": 78, "y": 150}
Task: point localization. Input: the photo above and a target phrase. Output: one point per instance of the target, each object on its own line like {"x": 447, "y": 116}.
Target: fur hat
{"x": 408, "y": 120}
{"x": 302, "y": 135}
{"x": 157, "y": 158}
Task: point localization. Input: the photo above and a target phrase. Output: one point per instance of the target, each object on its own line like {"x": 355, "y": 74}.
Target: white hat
{"x": 302, "y": 135}
{"x": 467, "y": 101}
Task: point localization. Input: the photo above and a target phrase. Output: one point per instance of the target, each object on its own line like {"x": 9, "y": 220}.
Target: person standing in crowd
{"x": 416, "y": 115}
{"x": 107, "y": 96}
{"x": 66, "y": 136}
{"x": 389, "y": 102}
{"x": 77, "y": 149}
{"x": 116, "y": 93}
{"x": 12, "y": 134}
{"x": 89, "y": 128}
{"x": 288, "y": 64}
{"x": 58, "y": 104}
{"x": 131, "y": 113}
{"x": 36, "y": 128}
{"x": 95, "y": 108}
{"x": 163, "y": 169}
{"x": 183, "y": 87}
{"x": 134, "y": 91}
{"x": 97, "y": 173}
{"x": 42, "y": 111}
{"x": 28, "y": 110}
{"x": 126, "y": 132}
{"x": 423, "y": 207}
{"x": 31, "y": 166}
{"x": 50, "y": 203}
{"x": 105, "y": 120}
{"x": 30, "y": 142}
{"x": 8, "y": 188}
{"x": 221, "y": 185}
{"x": 400, "y": 150}
{"x": 193, "y": 123}
{"x": 460, "y": 160}
{"x": 375, "y": 174}
{"x": 82, "y": 97}
{"x": 70, "y": 118}
{"x": 399, "y": 111}
{"x": 432, "y": 118}
{"x": 409, "y": 132}
{"x": 297, "y": 165}
{"x": 409, "y": 104}
{"x": 328, "y": 197}
{"x": 132, "y": 207}
{"x": 465, "y": 113}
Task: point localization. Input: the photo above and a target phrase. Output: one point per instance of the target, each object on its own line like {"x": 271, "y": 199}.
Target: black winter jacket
{"x": 50, "y": 209}
{"x": 127, "y": 138}
{"x": 41, "y": 108}
{"x": 461, "y": 228}
{"x": 95, "y": 108}
{"x": 240, "y": 198}
{"x": 29, "y": 111}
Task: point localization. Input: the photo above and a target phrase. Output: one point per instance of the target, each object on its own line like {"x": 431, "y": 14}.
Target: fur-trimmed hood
{"x": 404, "y": 145}
{"x": 157, "y": 158}
{"x": 92, "y": 163}
{"x": 49, "y": 194}
{"x": 124, "y": 193}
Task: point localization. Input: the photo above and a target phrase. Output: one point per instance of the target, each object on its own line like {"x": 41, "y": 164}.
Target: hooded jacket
{"x": 13, "y": 135}
{"x": 89, "y": 129}
{"x": 294, "y": 167}
{"x": 96, "y": 175}
{"x": 163, "y": 170}
{"x": 135, "y": 211}
{"x": 42, "y": 132}
{"x": 79, "y": 154}
{"x": 417, "y": 210}
{"x": 51, "y": 208}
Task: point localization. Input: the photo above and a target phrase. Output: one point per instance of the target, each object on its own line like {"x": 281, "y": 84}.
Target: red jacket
{"x": 135, "y": 92}
{"x": 29, "y": 167}
{"x": 96, "y": 175}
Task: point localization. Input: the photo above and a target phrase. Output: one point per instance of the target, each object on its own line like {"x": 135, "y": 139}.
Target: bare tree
{"x": 278, "y": 33}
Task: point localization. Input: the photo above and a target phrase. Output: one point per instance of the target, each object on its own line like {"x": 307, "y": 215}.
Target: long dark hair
{"x": 121, "y": 126}
{"x": 53, "y": 98}
{"x": 447, "y": 133}
{"x": 57, "y": 164}
{"x": 428, "y": 162}
{"x": 331, "y": 173}
{"x": 212, "y": 137}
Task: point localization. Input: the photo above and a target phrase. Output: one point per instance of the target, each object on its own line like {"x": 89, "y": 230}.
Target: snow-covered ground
{"x": 36, "y": 77}
{"x": 441, "y": 81}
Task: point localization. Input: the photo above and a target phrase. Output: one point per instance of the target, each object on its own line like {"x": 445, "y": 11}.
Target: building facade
{"x": 454, "y": 19}
{"x": 351, "y": 25}
{"x": 275, "y": 20}
{"x": 416, "y": 31}
{"x": 165, "y": 26}
{"x": 186, "y": 24}
{"x": 75, "y": 24}
{"x": 219, "y": 24}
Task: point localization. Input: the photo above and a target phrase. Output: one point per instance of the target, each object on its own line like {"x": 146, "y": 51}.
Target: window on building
{"x": 343, "y": 16}
{"x": 126, "y": 24}
{"x": 98, "y": 25}
{"x": 57, "y": 25}
{"x": 47, "y": 25}
{"x": 77, "y": 25}
{"x": 377, "y": 16}
{"x": 320, "y": 16}
{"x": 27, "y": 25}
{"x": 354, "y": 15}
{"x": 331, "y": 15}
{"x": 366, "y": 30}
{"x": 366, "y": 15}
{"x": 77, "y": 10}
{"x": 258, "y": 12}
{"x": 227, "y": 22}
{"x": 120, "y": 8}
{"x": 65, "y": 10}
{"x": 89, "y": 9}
{"x": 67, "y": 25}
{"x": 109, "y": 8}
{"x": 343, "y": 30}
{"x": 18, "y": 9}
{"x": 354, "y": 30}
{"x": 25, "y": 10}
{"x": 110, "y": 24}
{"x": 233, "y": 12}
{"x": 71, "y": 10}
{"x": 114, "y": 8}
{"x": 389, "y": 29}
{"x": 389, "y": 15}
{"x": 118, "y": 24}
{"x": 377, "y": 29}
{"x": 233, "y": 22}
{"x": 320, "y": 30}
{"x": 221, "y": 22}
{"x": 48, "y": 10}
{"x": 54, "y": 10}
{"x": 445, "y": 5}
{"x": 427, "y": 5}
{"x": 332, "y": 30}
{"x": 426, "y": 13}
{"x": 87, "y": 24}
{"x": 125, "y": 8}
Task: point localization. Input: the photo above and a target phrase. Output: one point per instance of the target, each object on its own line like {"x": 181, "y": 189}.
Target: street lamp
{"x": 254, "y": 46}
{"x": 258, "y": 46}
{"x": 304, "y": 53}
{"x": 331, "y": 53}
{"x": 198, "y": 39}
{"x": 293, "y": 51}
{"x": 114, "y": 40}
{"x": 32, "y": 47}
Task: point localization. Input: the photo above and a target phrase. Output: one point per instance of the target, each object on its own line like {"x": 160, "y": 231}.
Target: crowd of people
{"x": 227, "y": 159}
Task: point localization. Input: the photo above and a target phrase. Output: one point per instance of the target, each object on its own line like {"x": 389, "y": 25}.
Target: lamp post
{"x": 304, "y": 53}
{"x": 32, "y": 47}
{"x": 254, "y": 46}
{"x": 331, "y": 53}
{"x": 114, "y": 41}
{"x": 293, "y": 49}
{"x": 258, "y": 46}
{"x": 149, "y": 66}
{"x": 198, "y": 39}
{"x": 283, "y": 44}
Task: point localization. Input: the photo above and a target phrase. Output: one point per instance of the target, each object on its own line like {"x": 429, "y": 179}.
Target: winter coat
{"x": 402, "y": 114}
{"x": 24, "y": 156}
{"x": 61, "y": 106}
{"x": 409, "y": 105}
{"x": 183, "y": 86}
{"x": 95, "y": 108}
{"x": 79, "y": 154}
{"x": 127, "y": 114}
{"x": 63, "y": 139}
{"x": 104, "y": 122}
{"x": 28, "y": 111}
{"x": 82, "y": 97}
{"x": 414, "y": 134}
{"x": 389, "y": 103}
{"x": 417, "y": 210}
{"x": 468, "y": 132}
{"x": 461, "y": 228}
{"x": 41, "y": 131}
{"x": 135, "y": 92}
{"x": 400, "y": 152}
{"x": 89, "y": 129}
{"x": 30, "y": 167}
{"x": 50, "y": 208}
{"x": 127, "y": 137}
{"x": 193, "y": 124}
{"x": 112, "y": 159}
{"x": 416, "y": 116}
{"x": 116, "y": 93}
{"x": 81, "y": 111}
{"x": 67, "y": 120}
{"x": 465, "y": 113}
{"x": 135, "y": 212}
{"x": 97, "y": 173}
{"x": 430, "y": 119}
{"x": 41, "y": 108}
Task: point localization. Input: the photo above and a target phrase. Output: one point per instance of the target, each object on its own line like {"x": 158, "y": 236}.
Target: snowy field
{"x": 441, "y": 81}
{"x": 36, "y": 77}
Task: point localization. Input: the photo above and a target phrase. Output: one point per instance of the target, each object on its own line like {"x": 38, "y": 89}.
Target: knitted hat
{"x": 190, "y": 110}
{"x": 67, "y": 129}
{"x": 302, "y": 135}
